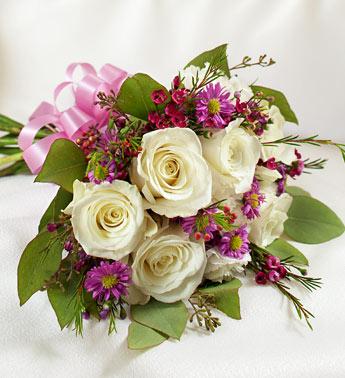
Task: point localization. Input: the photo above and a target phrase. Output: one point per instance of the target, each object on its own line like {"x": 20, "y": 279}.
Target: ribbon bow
{"x": 74, "y": 120}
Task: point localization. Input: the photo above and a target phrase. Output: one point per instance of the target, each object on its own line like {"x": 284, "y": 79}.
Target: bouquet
{"x": 167, "y": 197}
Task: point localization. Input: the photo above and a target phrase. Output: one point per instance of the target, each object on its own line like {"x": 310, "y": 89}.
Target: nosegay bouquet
{"x": 167, "y": 196}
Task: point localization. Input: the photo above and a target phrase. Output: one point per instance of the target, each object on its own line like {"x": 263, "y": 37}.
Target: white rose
{"x": 220, "y": 268}
{"x": 270, "y": 225}
{"x": 282, "y": 152}
{"x": 267, "y": 178}
{"x": 108, "y": 219}
{"x": 171, "y": 172}
{"x": 168, "y": 266}
{"x": 232, "y": 155}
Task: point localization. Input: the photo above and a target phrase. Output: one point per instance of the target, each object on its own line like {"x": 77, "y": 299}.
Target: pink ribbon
{"x": 71, "y": 122}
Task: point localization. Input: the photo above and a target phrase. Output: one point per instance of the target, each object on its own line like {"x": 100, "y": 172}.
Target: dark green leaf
{"x": 283, "y": 250}
{"x": 134, "y": 97}
{"x": 296, "y": 191}
{"x": 280, "y": 101}
{"x": 60, "y": 202}
{"x": 226, "y": 297}
{"x": 169, "y": 318}
{"x": 40, "y": 260}
{"x": 312, "y": 222}
{"x": 65, "y": 163}
{"x": 142, "y": 337}
{"x": 65, "y": 301}
{"x": 216, "y": 56}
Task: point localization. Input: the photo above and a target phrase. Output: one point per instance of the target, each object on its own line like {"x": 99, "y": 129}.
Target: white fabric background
{"x": 38, "y": 38}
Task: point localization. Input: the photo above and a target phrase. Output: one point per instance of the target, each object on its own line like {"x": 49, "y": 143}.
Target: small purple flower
{"x": 261, "y": 278}
{"x": 52, "y": 227}
{"x": 272, "y": 262}
{"x": 297, "y": 167}
{"x": 281, "y": 182}
{"x": 213, "y": 108}
{"x": 273, "y": 276}
{"x": 68, "y": 246}
{"x": 282, "y": 271}
{"x": 86, "y": 315}
{"x": 252, "y": 201}
{"x": 103, "y": 314}
{"x": 108, "y": 279}
{"x": 235, "y": 243}
{"x": 159, "y": 96}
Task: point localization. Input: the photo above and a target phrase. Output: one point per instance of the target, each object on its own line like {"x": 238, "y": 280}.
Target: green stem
{"x": 9, "y": 150}
{"x": 16, "y": 168}
{"x": 11, "y": 159}
{"x": 6, "y": 141}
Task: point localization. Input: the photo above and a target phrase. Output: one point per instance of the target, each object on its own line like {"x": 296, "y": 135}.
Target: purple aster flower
{"x": 235, "y": 243}
{"x": 200, "y": 225}
{"x": 252, "y": 201}
{"x": 108, "y": 279}
{"x": 103, "y": 171}
{"x": 213, "y": 108}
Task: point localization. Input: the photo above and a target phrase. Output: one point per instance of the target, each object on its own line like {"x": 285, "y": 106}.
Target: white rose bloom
{"x": 267, "y": 175}
{"x": 168, "y": 266}
{"x": 108, "y": 219}
{"x": 220, "y": 268}
{"x": 171, "y": 172}
{"x": 270, "y": 224}
{"x": 267, "y": 178}
{"x": 232, "y": 154}
{"x": 282, "y": 152}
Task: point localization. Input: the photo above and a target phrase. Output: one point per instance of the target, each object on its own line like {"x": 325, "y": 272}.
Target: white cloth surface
{"x": 39, "y": 38}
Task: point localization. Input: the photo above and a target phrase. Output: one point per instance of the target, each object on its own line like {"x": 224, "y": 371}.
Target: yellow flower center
{"x": 109, "y": 281}
{"x": 213, "y": 106}
{"x": 254, "y": 200}
{"x": 236, "y": 243}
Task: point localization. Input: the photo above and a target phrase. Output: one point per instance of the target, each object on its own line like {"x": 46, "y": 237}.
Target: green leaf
{"x": 296, "y": 191}
{"x": 142, "y": 337}
{"x": 216, "y": 56}
{"x": 65, "y": 163}
{"x": 65, "y": 301}
{"x": 280, "y": 101}
{"x": 134, "y": 97}
{"x": 169, "y": 318}
{"x": 312, "y": 222}
{"x": 226, "y": 297}
{"x": 283, "y": 250}
{"x": 40, "y": 260}
{"x": 60, "y": 202}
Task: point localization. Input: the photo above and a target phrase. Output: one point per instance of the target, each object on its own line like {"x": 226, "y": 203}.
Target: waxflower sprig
{"x": 296, "y": 140}
{"x": 270, "y": 269}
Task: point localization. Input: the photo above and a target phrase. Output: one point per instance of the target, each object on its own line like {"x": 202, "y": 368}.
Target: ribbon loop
{"x": 74, "y": 120}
